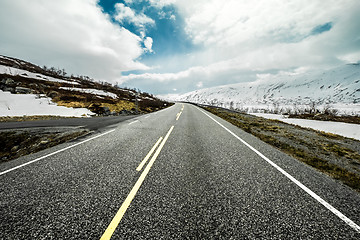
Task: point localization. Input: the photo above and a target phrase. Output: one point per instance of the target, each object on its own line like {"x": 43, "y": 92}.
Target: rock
{"x": 33, "y": 85}
{"x": 9, "y": 81}
{"x": 8, "y": 89}
{"x": 52, "y": 94}
{"x": 14, "y": 148}
{"x": 23, "y": 90}
{"x": 124, "y": 112}
{"x": 106, "y": 111}
{"x": 96, "y": 108}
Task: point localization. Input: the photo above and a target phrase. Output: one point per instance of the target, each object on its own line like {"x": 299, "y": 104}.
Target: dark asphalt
{"x": 205, "y": 184}
{"x": 93, "y": 123}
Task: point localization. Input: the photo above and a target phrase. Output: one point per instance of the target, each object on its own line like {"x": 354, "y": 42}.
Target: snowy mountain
{"x": 337, "y": 88}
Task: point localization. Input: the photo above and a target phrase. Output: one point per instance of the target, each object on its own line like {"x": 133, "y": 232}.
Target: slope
{"x": 337, "y": 88}
{"x": 57, "y": 88}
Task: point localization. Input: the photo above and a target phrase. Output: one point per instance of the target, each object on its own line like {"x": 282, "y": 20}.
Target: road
{"x": 93, "y": 123}
{"x": 204, "y": 179}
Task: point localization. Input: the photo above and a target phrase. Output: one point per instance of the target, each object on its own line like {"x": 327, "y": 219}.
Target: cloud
{"x": 148, "y": 44}
{"x": 75, "y": 35}
{"x": 199, "y": 84}
{"x": 238, "y": 38}
{"x": 161, "y": 3}
{"x": 124, "y": 13}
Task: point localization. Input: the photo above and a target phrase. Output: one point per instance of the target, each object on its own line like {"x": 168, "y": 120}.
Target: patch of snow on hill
{"x": 31, "y": 105}
{"x": 343, "y": 129}
{"x": 19, "y": 72}
{"x": 92, "y": 91}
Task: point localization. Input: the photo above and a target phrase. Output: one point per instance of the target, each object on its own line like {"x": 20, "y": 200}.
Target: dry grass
{"x": 327, "y": 117}
{"x": 18, "y": 143}
{"x": 30, "y": 118}
{"x": 119, "y": 106}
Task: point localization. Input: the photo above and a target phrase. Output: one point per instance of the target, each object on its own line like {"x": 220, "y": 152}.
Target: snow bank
{"x": 19, "y": 72}
{"x": 91, "y": 91}
{"x": 343, "y": 129}
{"x": 31, "y": 105}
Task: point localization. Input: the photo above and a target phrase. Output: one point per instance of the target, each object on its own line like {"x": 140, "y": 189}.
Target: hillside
{"x": 27, "y": 89}
{"x": 337, "y": 89}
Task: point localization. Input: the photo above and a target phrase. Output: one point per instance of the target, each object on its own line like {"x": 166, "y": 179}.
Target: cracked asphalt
{"x": 204, "y": 184}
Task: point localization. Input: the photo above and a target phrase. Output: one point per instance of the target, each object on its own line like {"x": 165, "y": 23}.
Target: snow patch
{"x": 91, "y": 91}
{"x": 31, "y": 105}
{"x": 19, "y": 72}
{"x": 343, "y": 129}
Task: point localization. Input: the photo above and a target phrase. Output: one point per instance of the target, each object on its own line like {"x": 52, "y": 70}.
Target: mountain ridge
{"x": 338, "y": 88}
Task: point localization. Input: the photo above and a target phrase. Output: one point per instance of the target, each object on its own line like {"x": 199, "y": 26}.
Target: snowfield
{"x": 343, "y": 129}
{"x": 31, "y": 105}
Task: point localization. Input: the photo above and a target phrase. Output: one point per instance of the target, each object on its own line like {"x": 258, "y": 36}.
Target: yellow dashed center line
{"x": 116, "y": 220}
{"x": 178, "y": 115}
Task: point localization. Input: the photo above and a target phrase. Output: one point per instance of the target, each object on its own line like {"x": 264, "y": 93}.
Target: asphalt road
{"x": 205, "y": 179}
{"x": 93, "y": 123}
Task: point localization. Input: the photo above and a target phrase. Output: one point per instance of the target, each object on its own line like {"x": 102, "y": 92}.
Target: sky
{"x": 177, "y": 46}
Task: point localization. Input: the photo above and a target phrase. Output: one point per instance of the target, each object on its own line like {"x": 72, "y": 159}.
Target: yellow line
{"x": 116, "y": 220}
{"x": 178, "y": 116}
{"x": 148, "y": 155}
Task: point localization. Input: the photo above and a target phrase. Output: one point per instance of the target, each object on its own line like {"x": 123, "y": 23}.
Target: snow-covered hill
{"x": 337, "y": 88}
{"x": 27, "y": 89}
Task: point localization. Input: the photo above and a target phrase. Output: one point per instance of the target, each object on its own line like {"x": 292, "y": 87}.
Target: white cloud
{"x": 124, "y": 13}
{"x": 199, "y": 84}
{"x": 161, "y": 3}
{"x": 75, "y": 35}
{"x": 148, "y": 43}
{"x": 242, "y": 36}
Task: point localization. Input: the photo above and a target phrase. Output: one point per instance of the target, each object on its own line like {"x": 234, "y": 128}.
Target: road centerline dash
{"x": 117, "y": 218}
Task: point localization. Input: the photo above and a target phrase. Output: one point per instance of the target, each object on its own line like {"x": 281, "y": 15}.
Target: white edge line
{"x": 133, "y": 122}
{"x": 302, "y": 186}
{"x": 48, "y": 155}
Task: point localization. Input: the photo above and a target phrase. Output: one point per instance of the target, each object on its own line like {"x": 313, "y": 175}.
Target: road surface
{"x": 180, "y": 173}
{"x": 93, "y": 123}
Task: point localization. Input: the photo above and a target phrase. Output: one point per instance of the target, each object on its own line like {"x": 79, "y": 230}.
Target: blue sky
{"x": 167, "y": 32}
{"x": 177, "y": 46}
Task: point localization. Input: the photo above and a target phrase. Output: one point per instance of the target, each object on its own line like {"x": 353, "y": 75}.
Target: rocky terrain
{"x": 101, "y": 98}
